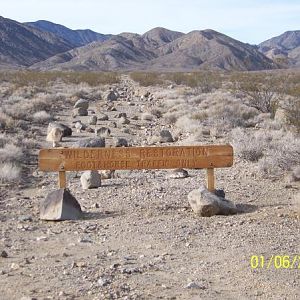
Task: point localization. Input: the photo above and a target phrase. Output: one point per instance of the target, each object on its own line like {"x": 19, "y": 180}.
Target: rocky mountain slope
{"x": 75, "y": 37}
{"x": 24, "y": 45}
{"x": 162, "y": 49}
{"x": 284, "y": 48}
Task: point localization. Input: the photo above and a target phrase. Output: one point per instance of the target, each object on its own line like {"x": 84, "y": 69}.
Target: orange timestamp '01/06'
{"x": 276, "y": 261}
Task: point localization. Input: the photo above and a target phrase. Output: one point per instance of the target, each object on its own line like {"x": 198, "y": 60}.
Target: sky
{"x": 250, "y": 21}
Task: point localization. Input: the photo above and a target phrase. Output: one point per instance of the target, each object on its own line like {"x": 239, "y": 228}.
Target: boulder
{"x": 90, "y": 180}
{"x": 60, "y": 205}
{"x": 103, "y": 132}
{"x": 67, "y": 131}
{"x": 80, "y": 111}
{"x": 166, "y": 136}
{"x": 112, "y": 96}
{"x": 207, "y": 204}
{"x": 121, "y": 115}
{"x": 81, "y": 103}
{"x": 103, "y": 117}
{"x": 90, "y": 143}
{"x": 120, "y": 142}
{"x": 93, "y": 120}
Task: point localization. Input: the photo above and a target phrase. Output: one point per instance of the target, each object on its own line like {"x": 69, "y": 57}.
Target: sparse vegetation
{"x": 146, "y": 78}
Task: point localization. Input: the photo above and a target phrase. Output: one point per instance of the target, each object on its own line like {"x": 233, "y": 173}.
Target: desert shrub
{"x": 42, "y": 79}
{"x": 204, "y": 82}
{"x": 156, "y": 112}
{"x": 171, "y": 117}
{"x": 5, "y": 120}
{"x": 262, "y": 91}
{"x": 146, "y": 78}
{"x": 9, "y": 172}
{"x": 281, "y": 155}
{"x": 247, "y": 146}
{"x": 41, "y": 117}
{"x": 10, "y": 152}
{"x": 293, "y": 112}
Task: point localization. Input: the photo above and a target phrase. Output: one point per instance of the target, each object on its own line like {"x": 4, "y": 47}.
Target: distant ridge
{"x": 22, "y": 45}
{"x": 284, "y": 48}
{"x": 75, "y": 37}
{"x": 162, "y": 49}
{"x": 43, "y": 45}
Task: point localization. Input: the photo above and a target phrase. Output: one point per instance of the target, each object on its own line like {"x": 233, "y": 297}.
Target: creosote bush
{"x": 146, "y": 78}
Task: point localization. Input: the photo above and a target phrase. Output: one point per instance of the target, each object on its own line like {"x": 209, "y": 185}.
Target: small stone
{"x": 80, "y": 112}
{"x": 90, "y": 143}
{"x": 90, "y": 179}
{"x": 177, "y": 174}
{"x": 15, "y": 266}
{"x": 103, "y": 117}
{"x": 93, "y": 120}
{"x": 81, "y": 103}
{"x": 120, "y": 142}
{"x": 25, "y": 218}
{"x": 123, "y": 121}
{"x": 3, "y": 254}
{"x": 103, "y": 132}
{"x": 166, "y": 136}
{"x": 42, "y": 238}
{"x": 194, "y": 285}
{"x": 104, "y": 281}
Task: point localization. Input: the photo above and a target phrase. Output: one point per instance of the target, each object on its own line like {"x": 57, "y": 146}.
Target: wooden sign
{"x": 80, "y": 159}
{"x": 190, "y": 157}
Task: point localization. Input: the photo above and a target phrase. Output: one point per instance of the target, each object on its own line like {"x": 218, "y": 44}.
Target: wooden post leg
{"x": 62, "y": 181}
{"x": 210, "y": 180}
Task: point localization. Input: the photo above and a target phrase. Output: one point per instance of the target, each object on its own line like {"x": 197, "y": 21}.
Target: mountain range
{"x": 44, "y": 45}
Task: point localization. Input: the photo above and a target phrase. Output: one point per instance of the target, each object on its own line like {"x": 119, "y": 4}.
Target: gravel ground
{"x": 139, "y": 238}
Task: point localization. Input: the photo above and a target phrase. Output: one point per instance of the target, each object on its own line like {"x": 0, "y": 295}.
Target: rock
{"x": 90, "y": 143}
{"x": 90, "y": 180}
{"x": 104, "y": 281}
{"x": 146, "y": 117}
{"x": 166, "y": 136}
{"x": 112, "y": 96}
{"x": 60, "y": 205}
{"x": 107, "y": 174}
{"x": 296, "y": 174}
{"x": 67, "y": 131}
{"x": 194, "y": 285}
{"x": 25, "y": 218}
{"x": 103, "y": 117}
{"x": 123, "y": 121}
{"x": 125, "y": 130}
{"x": 281, "y": 115}
{"x": 121, "y": 115}
{"x": 54, "y": 136}
{"x": 81, "y": 103}
{"x": 207, "y": 204}
{"x": 120, "y": 142}
{"x": 3, "y": 254}
{"x": 90, "y": 130}
{"x": 178, "y": 173}
{"x": 93, "y": 120}
{"x": 103, "y": 132}
{"x": 79, "y": 126}
{"x": 79, "y": 112}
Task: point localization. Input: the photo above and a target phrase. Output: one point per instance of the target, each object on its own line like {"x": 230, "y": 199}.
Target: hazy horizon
{"x": 250, "y": 21}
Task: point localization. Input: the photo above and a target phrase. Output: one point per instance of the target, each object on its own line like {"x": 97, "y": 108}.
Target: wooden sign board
{"x": 130, "y": 158}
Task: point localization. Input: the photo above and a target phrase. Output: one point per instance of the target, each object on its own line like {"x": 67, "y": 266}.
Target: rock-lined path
{"x": 139, "y": 238}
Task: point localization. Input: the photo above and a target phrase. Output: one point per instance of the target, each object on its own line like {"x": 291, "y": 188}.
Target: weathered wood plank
{"x": 210, "y": 178}
{"x": 130, "y": 158}
{"x": 62, "y": 180}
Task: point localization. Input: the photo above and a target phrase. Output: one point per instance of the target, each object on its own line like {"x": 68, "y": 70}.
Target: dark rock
{"x": 60, "y": 205}
{"x": 120, "y": 142}
{"x": 67, "y": 131}
{"x": 80, "y": 111}
{"x": 166, "y": 136}
{"x": 3, "y": 254}
{"x": 103, "y": 132}
{"x": 81, "y": 103}
{"x": 90, "y": 143}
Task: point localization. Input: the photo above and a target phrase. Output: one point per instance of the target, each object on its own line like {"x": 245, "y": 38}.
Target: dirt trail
{"x": 139, "y": 238}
